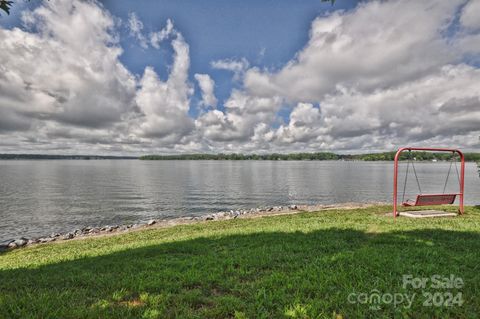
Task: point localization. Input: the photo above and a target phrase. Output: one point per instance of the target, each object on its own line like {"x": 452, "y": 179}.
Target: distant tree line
{"x": 60, "y": 157}
{"x": 242, "y": 157}
{"x": 319, "y": 156}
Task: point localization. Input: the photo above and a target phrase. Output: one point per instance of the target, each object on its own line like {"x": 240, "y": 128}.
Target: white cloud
{"x": 435, "y": 107}
{"x": 376, "y": 45}
{"x": 380, "y": 74}
{"x": 207, "y": 86}
{"x": 158, "y": 37}
{"x": 136, "y": 29}
{"x": 52, "y": 76}
{"x": 238, "y": 67}
{"x": 242, "y": 114}
{"x": 72, "y": 94}
{"x": 165, "y": 105}
{"x": 440, "y": 109}
{"x": 304, "y": 125}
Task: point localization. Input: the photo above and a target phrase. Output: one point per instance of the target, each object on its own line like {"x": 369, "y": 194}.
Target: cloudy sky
{"x": 142, "y": 77}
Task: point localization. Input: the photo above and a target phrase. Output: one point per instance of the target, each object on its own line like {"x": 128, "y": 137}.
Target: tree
{"x": 5, "y": 5}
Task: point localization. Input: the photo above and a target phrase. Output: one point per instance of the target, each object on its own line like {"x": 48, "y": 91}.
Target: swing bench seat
{"x": 431, "y": 199}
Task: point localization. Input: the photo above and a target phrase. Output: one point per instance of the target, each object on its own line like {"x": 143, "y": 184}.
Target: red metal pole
{"x": 395, "y": 181}
{"x": 462, "y": 181}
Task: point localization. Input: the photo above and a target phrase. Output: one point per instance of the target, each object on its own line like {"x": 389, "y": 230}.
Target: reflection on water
{"x": 40, "y": 197}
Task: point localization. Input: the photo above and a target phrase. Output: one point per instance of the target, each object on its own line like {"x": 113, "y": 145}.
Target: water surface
{"x": 44, "y": 196}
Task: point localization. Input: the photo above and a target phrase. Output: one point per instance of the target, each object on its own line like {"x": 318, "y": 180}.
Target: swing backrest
{"x": 435, "y": 199}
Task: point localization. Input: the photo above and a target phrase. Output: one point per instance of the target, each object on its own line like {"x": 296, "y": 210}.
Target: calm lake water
{"x": 41, "y": 197}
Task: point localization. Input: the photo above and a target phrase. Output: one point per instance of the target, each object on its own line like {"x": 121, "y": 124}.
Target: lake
{"x": 45, "y": 196}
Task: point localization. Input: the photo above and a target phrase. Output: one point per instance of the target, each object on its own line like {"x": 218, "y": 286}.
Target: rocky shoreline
{"x": 91, "y": 231}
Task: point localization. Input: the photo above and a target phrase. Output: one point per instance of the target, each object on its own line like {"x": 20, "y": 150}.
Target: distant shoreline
{"x": 63, "y": 157}
{"x": 319, "y": 156}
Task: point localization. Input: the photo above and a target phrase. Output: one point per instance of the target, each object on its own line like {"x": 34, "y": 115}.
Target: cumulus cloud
{"x": 304, "y": 125}
{"x": 165, "y": 104}
{"x": 52, "y": 76}
{"x": 72, "y": 93}
{"x": 379, "y": 73}
{"x": 440, "y": 105}
{"x": 237, "y": 123}
{"x": 207, "y": 86}
{"x": 437, "y": 109}
{"x": 376, "y": 45}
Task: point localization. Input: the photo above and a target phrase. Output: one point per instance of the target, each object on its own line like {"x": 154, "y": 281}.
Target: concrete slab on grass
{"x": 427, "y": 213}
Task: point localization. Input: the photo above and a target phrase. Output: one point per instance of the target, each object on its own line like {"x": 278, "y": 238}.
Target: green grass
{"x": 292, "y": 266}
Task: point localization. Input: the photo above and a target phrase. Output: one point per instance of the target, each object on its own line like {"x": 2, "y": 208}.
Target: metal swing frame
{"x": 430, "y": 199}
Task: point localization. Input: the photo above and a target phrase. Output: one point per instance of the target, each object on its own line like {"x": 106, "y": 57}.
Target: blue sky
{"x": 136, "y": 77}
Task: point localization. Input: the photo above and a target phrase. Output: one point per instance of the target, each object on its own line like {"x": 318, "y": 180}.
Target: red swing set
{"x": 428, "y": 199}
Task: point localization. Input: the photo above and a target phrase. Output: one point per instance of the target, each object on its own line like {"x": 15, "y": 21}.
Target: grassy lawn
{"x": 306, "y": 265}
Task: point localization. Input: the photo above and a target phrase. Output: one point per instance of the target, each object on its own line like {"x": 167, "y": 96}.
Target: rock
{"x": 151, "y": 222}
{"x": 12, "y": 245}
{"x": 46, "y": 239}
{"x": 21, "y": 242}
{"x": 90, "y": 230}
{"x": 94, "y": 230}
{"x": 68, "y": 236}
{"x": 219, "y": 215}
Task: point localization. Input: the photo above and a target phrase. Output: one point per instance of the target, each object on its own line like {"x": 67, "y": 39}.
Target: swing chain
{"x": 452, "y": 160}
{"x": 416, "y": 176}
{"x": 406, "y": 175}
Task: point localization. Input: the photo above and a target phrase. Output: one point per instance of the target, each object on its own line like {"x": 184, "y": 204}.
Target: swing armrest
{"x": 409, "y": 202}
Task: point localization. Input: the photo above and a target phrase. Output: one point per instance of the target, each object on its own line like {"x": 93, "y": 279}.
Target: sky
{"x": 123, "y": 77}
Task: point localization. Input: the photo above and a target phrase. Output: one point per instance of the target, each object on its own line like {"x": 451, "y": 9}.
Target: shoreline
{"x": 112, "y": 230}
